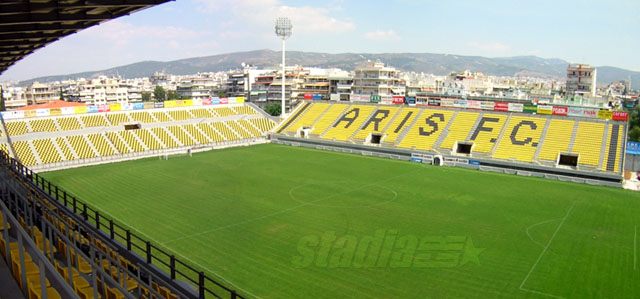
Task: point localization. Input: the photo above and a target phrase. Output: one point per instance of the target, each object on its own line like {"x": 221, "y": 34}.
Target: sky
{"x": 594, "y": 32}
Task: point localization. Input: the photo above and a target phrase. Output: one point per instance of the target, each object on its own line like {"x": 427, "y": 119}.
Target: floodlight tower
{"x": 283, "y": 30}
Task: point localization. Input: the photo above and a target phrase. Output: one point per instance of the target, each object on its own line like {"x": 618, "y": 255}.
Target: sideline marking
{"x": 635, "y": 248}
{"x": 542, "y": 254}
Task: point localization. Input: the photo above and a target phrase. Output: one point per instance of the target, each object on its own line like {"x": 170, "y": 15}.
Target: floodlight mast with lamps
{"x": 283, "y": 30}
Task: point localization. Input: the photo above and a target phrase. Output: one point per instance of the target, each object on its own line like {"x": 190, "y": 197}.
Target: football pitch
{"x": 274, "y": 221}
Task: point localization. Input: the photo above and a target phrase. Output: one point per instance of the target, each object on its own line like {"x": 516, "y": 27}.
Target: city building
{"x": 374, "y": 78}
{"x": 581, "y": 80}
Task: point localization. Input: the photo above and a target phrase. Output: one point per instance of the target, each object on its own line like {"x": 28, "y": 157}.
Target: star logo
{"x": 470, "y": 253}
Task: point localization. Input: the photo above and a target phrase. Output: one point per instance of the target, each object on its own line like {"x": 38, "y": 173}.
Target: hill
{"x": 439, "y": 64}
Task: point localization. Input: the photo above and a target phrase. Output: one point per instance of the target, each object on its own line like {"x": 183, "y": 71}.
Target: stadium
{"x": 387, "y": 199}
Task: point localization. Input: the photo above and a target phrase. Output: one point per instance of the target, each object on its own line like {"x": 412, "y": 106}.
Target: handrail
{"x": 108, "y": 227}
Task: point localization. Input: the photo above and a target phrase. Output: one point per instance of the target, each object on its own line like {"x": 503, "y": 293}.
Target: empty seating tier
{"x": 485, "y": 135}
{"x": 24, "y": 153}
{"x": 94, "y": 121}
{"x": 349, "y": 122}
{"x": 308, "y": 117}
{"x": 264, "y": 124}
{"x": 46, "y": 151}
{"x": 118, "y": 142}
{"x": 328, "y": 118}
{"x": 15, "y": 128}
{"x": 118, "y": 118}
{"x": 250, "y": 127}
{"x": 66, "y": 151}
{"x": 101, "y": 144}
{"x": 180, "y": 114}
{"x": 244, "y": 110}
{"x": 149, "y": 140}
{"x": 181, "y": 135}
{"x": 557, "y": 139}
{"x": 239, "y": 129}
{"x": 161, "y": 116}
{"x": 210, "y": 132}
{"x": 142, "y": 116}
{"x": 460, "y": 128}
{"x": 588, "y": 142}
{"x": 81, "y": 147}
{"x": 224, "y": 111}
{"x": 69, "y": 123}
{"x": 224, "y": 130}
{"x": 202, "y": 113}
{"x": 164, "y": 136}
{"x": 401, "y": 122}
{"x": 521, "y": 139}
{"x": 131, "y": 140}
{"x": 426, "y": 129}
{"x": 377, "y": 122}
{"x": 200, "y": 138}
{"x": 43, "y": 125}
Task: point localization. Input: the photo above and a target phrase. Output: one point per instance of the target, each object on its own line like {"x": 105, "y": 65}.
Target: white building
{"x": 376, "y": 79}
{"x": 581, "y": 80}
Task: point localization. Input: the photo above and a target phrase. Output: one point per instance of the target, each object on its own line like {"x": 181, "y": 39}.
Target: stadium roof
{"x": 52, "y": 104}
{"x": 27, "y": 25}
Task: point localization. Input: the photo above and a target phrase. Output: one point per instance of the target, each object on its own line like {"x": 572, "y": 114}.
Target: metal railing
{"x": 140, "y": 250}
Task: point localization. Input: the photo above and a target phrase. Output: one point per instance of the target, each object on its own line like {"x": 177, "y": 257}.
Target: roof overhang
{"x": 27, "y": 25}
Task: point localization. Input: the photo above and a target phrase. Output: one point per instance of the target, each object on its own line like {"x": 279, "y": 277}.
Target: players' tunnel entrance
{"x": 132, "y": 127}
{"x": 568, "y": 160}
{"x": 376, "y": 138}
{"x": 464, "y": 148}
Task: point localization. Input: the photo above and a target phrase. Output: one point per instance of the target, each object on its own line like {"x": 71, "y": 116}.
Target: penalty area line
{"x": 542, "y": 254}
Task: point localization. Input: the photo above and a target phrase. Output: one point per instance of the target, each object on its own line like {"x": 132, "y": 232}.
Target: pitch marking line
{"x": 534, "y": 225}
{"x": 279, "y": 212}
{"x": 177, "y": 254}
{"x": 635, "y": 247}
{"x": 542, "y": 254}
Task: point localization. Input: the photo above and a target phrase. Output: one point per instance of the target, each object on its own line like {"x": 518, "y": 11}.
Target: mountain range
{"x": 438, "y": 64}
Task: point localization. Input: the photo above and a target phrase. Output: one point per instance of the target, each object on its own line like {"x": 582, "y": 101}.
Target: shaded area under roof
{"x": 27, "y": 25}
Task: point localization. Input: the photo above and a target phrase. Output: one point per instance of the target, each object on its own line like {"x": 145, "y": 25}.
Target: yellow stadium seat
{"x": 521, "y": 139}
{"x": 403, "y": 120}
{"x": 349, "y": 122}
{"x": 426, "y": 130}
{"x": 377, "y": 123}
{"x": 588, "y": 142}
{"x": 557, "y": 139}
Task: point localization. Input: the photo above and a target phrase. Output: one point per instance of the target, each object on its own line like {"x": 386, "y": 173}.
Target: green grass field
{"x": 263, "y": 218}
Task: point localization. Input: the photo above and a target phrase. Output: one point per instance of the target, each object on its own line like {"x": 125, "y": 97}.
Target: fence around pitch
{"x": 177, "y": 269}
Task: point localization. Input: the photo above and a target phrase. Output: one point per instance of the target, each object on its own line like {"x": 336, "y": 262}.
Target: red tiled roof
{"x": 52, "y": 104}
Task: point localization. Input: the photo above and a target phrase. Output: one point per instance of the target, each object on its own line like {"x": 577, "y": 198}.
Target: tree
{"x": 221, "y": 93}
{"x": 61, "y": 93}
{"x": 2, "y": 107}
{"x": 146, "y": 96}
{"x": 159, "y": 94}
{"x": 172, "y": 95}
{"x": 634, "y": 134}
{"x": 273, "y": 109}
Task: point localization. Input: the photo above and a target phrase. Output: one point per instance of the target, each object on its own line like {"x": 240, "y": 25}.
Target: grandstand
{"x": 557, "y": 146}
{"x": 70, "y": 140}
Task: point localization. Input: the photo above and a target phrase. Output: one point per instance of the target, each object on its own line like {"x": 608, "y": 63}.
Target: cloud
{"x": 380, "y": 35}
{"x": 305, "y": 19}
{"x": 491, "y": 47}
